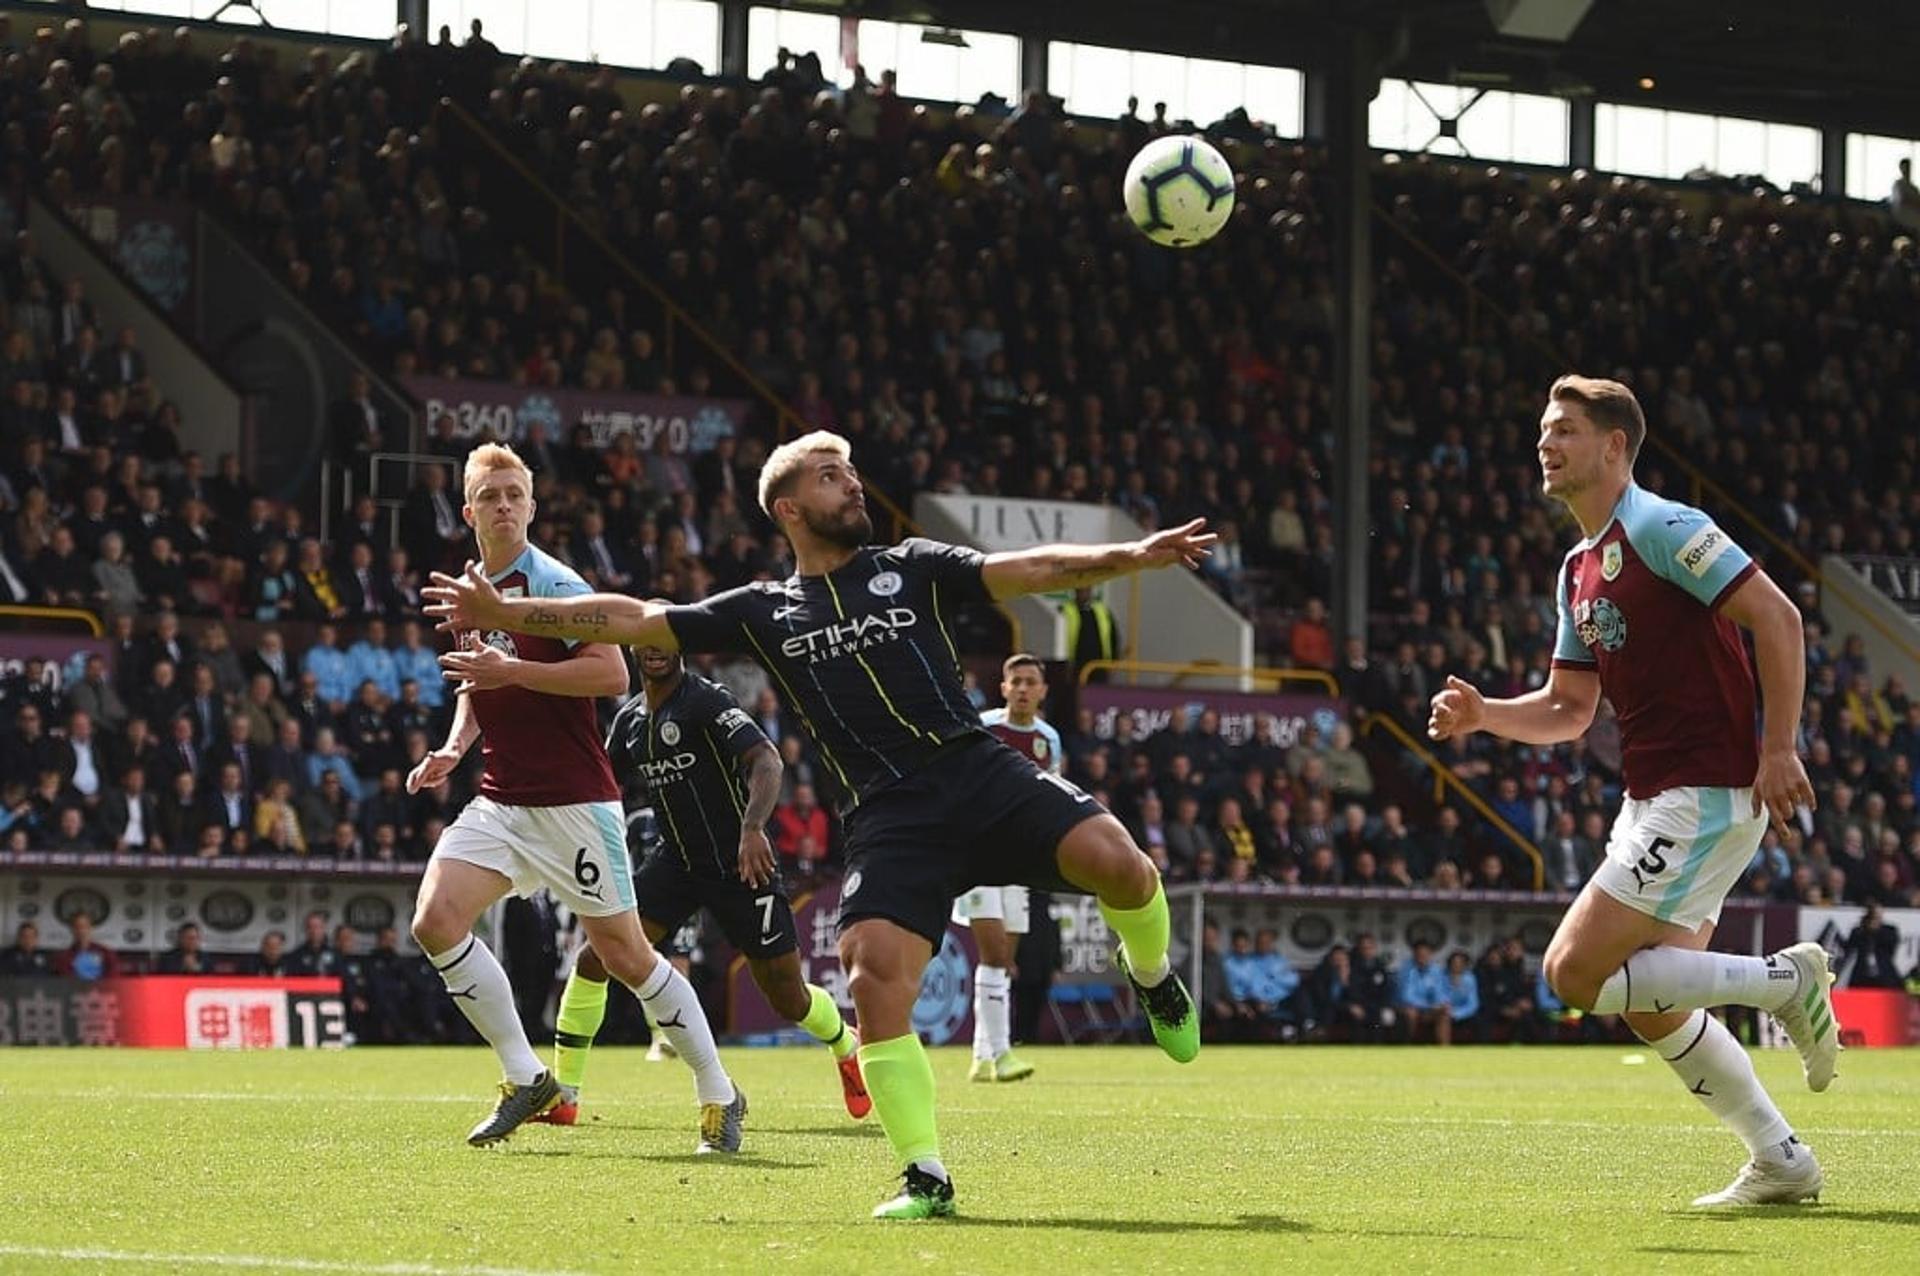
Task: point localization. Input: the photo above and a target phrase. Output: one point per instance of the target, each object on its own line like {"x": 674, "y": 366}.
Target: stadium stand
{"x": 943, "y": 288}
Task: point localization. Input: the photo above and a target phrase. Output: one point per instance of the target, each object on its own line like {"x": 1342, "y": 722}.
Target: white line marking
{"x": 262, "y": 1262}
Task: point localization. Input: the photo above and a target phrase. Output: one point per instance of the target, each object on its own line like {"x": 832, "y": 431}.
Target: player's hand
{"x": 1457, "y": 709}
{"x": 433, "y": 768}
{"x": 1781, "y": 785}
{"x": 756, "y": 857}
{"x": 1188, "y": 543}
{"x": 466, "y": 601}
{"x": 480, "y": 668}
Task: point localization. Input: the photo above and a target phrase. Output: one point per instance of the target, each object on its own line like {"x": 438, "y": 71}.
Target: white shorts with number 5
{"x": 1004, "y": 904}
{"x": 579, "y": 852}
{"x": 1677, "y": 855}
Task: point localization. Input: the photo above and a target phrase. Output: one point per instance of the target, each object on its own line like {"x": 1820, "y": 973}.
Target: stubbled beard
{"x": 848, "y": 531}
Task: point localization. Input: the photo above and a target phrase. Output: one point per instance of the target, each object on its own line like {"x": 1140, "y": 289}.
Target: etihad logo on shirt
{"x": 670, "y": 769}
{"x": 851, "y": 636}
{"x": 1703, "y": 549}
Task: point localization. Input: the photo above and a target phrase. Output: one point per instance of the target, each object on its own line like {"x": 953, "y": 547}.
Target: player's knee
{"x": 436, "y": 927}
{"x": 1571, "y": 982}
{"x": 632, "y": 964}
{"x": 590, "y": 966}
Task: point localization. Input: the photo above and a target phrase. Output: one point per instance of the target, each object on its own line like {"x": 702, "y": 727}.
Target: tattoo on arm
{"x": 763, "y": 788}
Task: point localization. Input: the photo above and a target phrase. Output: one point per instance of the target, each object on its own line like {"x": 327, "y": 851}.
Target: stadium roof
{"x": 1850, "y": 63}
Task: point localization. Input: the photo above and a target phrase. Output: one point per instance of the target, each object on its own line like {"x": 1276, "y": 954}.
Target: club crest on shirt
{"x": 1600, "y": 623}
{"x": 1611, "y": 560}
{"x": 670, "y": 732}
{"x": 1040, "y": 747}
{"x": 885, "y": 585}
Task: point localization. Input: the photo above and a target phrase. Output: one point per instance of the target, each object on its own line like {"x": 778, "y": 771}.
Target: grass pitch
{"x": 1251, "y": 1160}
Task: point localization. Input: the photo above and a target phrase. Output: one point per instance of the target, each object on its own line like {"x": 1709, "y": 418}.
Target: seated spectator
{"x": 186, "y": 956}
{"x": 1216, "y": 995}
{"x": 314, "y": 956}
{"x": 1261, "y": 983}
{"x": 332, "y": 671}
{"x": 271, "y": 961}
{"x": 1505, "y": 991}
{"x": 1463, "y": 999}
{"x": 85, "y": 958}
{"x": 1872, "y": 948}
{"x": 276, "y": 822}
{"x": 415, "y": 660}
{"x": 25, "y": 959}
{"x": 328, "y": 758}
{"x": 369, "y": 661}
{"x": 1330, "y": 996}
{"x": 1373, "y": 990}
{"x": 179, "y": 816}
{"x": 1422, "y": 996}
{"x": 800, "y": 830}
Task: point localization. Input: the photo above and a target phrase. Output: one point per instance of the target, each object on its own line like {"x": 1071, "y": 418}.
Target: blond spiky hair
{"x": 784, "y": 463}
{"x": 487, "y": 458}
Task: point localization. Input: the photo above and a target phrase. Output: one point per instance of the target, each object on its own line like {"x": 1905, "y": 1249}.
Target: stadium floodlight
{"x": 949, "y": 36}
{"x": 1554, "y": 20}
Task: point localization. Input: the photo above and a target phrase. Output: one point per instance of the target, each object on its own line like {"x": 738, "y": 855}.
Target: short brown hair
{"x": 1021, "y": 660}
{"x": 1608, "y": 404}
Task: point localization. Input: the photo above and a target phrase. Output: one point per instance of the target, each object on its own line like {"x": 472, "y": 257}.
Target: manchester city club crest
{"x": 885, "y": 585}
{"x": 670, "y": 732}
{"x": 1611, "y": 560}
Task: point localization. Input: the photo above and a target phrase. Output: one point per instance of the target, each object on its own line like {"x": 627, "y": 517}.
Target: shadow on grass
{"x": 1691, "y": 1251}
{"x": 1805, "y": 1214}
{"x": 869, "y": 1130}
{"x": 668, "y": 1158}
{"x": 1247, "y": 1224}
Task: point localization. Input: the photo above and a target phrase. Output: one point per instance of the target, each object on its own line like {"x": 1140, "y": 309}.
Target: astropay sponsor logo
{"x": 850, "y": 636}
{"x": 1703, "y": 549}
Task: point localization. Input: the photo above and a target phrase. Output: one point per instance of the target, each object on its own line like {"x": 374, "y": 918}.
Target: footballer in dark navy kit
{"x": 859, "y": 642}
{"x": 712, "y": 779}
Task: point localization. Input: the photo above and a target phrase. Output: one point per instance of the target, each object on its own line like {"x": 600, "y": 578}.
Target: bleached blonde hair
{"x": 487, "y": 458}
{"x": 785, "y": 461}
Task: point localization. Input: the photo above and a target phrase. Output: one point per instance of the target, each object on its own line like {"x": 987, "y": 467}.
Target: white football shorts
{"x": 578, "y": 851}
{"x": 1004, "y": 904}
{"x": 1677, "y": 855}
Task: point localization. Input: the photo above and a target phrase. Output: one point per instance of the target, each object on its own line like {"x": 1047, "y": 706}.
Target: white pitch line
{"x": 261, "y": 1262}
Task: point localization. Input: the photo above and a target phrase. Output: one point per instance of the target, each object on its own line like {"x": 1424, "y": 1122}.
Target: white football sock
{"x": 1657, "y": 980}
{"x": 991, "y": 1030}
{"x": 1719, "y": 1072}
{"x": 479, "y": 986}
{"x": 673, "y": 1008}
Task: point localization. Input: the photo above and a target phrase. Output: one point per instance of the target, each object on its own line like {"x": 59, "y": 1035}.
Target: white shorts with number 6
{"x": 579, "y": 852}
{"x": 1004, "y": 904}
{"x": 1677, "y": 855}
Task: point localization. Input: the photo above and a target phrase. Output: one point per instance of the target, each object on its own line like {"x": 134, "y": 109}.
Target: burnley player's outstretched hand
{"x": 433, "y": 768}
{"x": 480, "y": 667}
{"x": 1780, "y": 786}
{"x": 1458, "y": 709}
{"x": 1188, "y": 543}
{"x": 466, "y": 601}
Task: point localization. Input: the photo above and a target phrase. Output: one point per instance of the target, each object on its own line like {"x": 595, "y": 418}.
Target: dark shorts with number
{"x": 756, "y": 920}
{"x": 977, "y": 814}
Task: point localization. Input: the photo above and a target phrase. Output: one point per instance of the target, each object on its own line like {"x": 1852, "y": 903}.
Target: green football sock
{"x": 582, "y": 1008}
{"x": 1144, "y": 933}
{"x": 900, "y": 1079}
{"x": 824, "y": 1023}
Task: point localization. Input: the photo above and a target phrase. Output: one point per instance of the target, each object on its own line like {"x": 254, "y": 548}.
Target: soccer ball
{"x": 1179, "y": 191}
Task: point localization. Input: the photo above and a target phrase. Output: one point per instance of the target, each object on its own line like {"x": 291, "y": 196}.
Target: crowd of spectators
{"x": 958, "y": 294}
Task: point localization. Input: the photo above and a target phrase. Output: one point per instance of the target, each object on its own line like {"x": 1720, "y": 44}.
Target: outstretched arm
{"x": 470, "y": 601}
{"x": 1049, "y": 568}
{"x": 1560, "y": 711}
